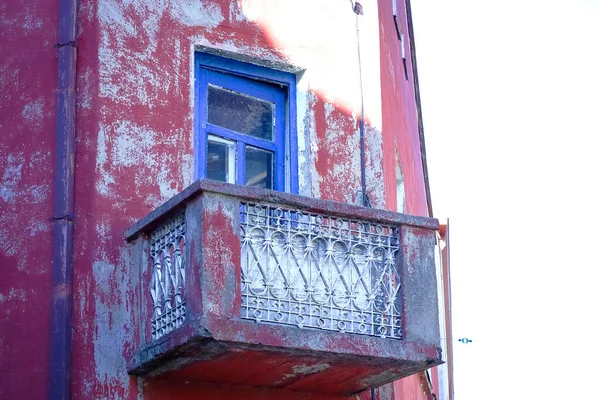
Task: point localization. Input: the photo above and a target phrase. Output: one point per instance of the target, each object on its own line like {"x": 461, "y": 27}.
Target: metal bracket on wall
{"x": 70, "y": 43}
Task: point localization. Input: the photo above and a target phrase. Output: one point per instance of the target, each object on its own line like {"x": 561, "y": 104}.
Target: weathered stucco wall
{"x": 400, "y": 123}
{"x": 27, "y": 109}
{"x": 135, "y": 149}
{"x": 136, "y": 133}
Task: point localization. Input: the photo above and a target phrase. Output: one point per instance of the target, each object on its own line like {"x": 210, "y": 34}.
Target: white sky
{"x": 511, "y": 106}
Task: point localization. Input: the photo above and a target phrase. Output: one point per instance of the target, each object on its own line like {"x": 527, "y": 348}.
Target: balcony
{"x": 260, "y": 288}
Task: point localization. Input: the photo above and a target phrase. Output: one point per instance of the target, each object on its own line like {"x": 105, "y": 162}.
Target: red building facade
{"x": 312, "y": 104}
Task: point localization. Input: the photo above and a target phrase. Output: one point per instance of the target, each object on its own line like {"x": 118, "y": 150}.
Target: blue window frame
{"x": 245, "y": 124}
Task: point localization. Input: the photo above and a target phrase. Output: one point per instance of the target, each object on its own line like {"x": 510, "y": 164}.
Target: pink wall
{"x": 134, "y": 151}
{"x": 400, "y": 129}
{"x": 27, "y": 108}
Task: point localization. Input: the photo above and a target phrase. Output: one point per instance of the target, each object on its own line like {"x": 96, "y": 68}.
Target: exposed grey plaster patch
{"x": 197, "y": 13}
{"x": 303, "y": 134}
{"x": 113, "y": 325}
{"x": 14, "y": 193}
{"x": 374, "y": 168}
{"x": 310, "y": 369}
{"x": 140, "y": 387}
{"x": 11, "y": 177}
{"x": 110, "y": 12}
{"x": 84, "y": 91}
{"x": 151, "y": 12}
{"x": 103, "y": 235}
{"x": 33, "y": 112}
{"x": 310, "y": 125}
{"x": 9, "y": 78}
{"x": 187, "y": 169}
{"x": 83, "y": 293}
{"x": 37, "y": 226}
{"x": 104, "y": 180}
{"x": 167, "y": 183}
{"x": 178, "y": 55}
{"x": 141, "y": 84}
{"x": 400, "y": 194}
{"x": 125, "y": 144}
{"x": 32, "y": 23}
{"x": 347, "y": 147}
{"x": 304, "y": 369}
{"x": 386, "y": 392}
{"x": 214, "y": 204}
{"x": 38, "y": 193}
{"x": 39, "y": 159}
{"x": 216, "y": 297}
{"x": 14, "y": 295}
{"x": 132, "y": 145}
{"x": 166, "y": 180}
{"x": 421, "y": 306}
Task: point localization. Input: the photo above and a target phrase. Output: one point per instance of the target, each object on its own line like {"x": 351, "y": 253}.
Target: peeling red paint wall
{"x": 164, "y": 390}
{"x": 337, "y": 141}
{"x": 411, "y": 388}
{"x": 400, "y": 124}
{"x": 135, "y": 150}
{"x": 27, "y": 109}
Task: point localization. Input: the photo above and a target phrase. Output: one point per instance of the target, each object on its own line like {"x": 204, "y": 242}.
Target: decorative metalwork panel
{"x": 319, "y": 271}
{"x": 167, "y": 288}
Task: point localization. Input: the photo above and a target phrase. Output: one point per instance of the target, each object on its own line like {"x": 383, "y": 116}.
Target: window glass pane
{"x": 220, "y": 159}
{"x": 259, "y": 168}
{"x": 240, "y": 113}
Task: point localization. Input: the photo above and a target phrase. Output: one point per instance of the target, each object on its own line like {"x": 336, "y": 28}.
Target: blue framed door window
{"x": 240, "y": 125}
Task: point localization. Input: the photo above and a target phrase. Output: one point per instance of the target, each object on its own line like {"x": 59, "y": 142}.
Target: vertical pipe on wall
{"x": 63, "y": 218}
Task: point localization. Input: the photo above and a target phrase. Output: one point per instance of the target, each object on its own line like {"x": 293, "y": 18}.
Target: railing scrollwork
{"x": 167, "y": 286}
{"x": 319, "y": 271}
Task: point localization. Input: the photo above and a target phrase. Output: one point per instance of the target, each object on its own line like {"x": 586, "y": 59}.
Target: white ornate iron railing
{"x": 318, "y": 271}
{"x": 167, "y": 249}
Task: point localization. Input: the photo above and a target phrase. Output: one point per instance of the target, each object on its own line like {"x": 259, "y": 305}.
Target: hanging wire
{"x": 358, "y": 10}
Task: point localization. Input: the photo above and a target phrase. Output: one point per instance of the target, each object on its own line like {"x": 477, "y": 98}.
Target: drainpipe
{"x": 63, "y": 214}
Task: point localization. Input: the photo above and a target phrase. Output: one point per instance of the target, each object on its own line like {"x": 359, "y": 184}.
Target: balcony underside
{"x": 266, "y": 355}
